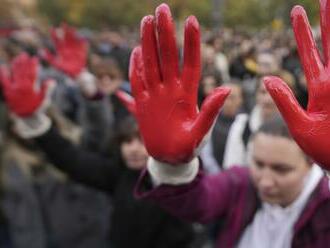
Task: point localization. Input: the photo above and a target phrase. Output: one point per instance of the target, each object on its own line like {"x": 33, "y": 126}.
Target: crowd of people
{"x": 73, "y": 149}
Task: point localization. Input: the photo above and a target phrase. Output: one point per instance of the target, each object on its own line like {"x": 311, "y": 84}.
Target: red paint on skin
{"x": 19, "y": 86}
{"x": 71, "y": 51}
{"x": 310, "y": 128}
{"x": 166, "y": 97}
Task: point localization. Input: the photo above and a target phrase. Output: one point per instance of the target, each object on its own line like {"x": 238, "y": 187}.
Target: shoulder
{"x": 317, "y": 210}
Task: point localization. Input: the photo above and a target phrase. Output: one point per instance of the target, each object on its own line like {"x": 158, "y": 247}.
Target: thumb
{"x": 127, "y": 100}
{"x": 209, "y": 111}
{"x": 285, "y": 101}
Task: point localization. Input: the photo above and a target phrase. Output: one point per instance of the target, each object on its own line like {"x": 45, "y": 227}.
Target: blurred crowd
{"x": 45, "y": 205}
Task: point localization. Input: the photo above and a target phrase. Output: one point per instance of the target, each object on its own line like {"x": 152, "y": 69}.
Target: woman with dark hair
{"x": 133, "y": 222}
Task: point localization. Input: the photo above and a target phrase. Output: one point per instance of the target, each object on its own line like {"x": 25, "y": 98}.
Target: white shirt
{"x": 235, "y": 151}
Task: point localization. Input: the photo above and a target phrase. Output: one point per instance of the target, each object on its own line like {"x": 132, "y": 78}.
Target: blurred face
{"x": 134, "y": 154}
{"x": 209, "y": 83}
{"x": 108, "y": 83}
{"x": 266, "y": 64}
{"x": 218, "y": 44}
{"x": 233, "y": 101}
{"x": 108, "y": 75}
{"x": 208, "y": 55}
{"x": 266, "y": 103}
{"x": 278, "y": 169}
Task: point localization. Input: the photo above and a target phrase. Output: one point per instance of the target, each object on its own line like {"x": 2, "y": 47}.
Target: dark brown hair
{"x": 128, "y": 129}
{"x": 275, "y": 126}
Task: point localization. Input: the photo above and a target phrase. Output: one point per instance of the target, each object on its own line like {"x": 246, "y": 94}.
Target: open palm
{"x": 165, "y": 97}
{"x": 310, "y": 128}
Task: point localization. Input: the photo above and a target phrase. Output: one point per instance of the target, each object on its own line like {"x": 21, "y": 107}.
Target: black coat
{"x": 134, "y": 223}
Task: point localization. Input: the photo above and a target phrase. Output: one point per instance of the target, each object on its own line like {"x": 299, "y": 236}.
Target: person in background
{"x": 213, "y": 152}
{"x": 208, "y": 83}
{"x": 109, "y": 78}
{"x": 246, "y": 124}
{"x": 57, "y": 203}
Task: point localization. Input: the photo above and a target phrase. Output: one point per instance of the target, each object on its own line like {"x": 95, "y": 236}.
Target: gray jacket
{"x": 46, "y": 210}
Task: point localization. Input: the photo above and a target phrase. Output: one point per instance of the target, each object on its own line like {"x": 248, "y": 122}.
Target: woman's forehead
{"x": 275, "y": 149}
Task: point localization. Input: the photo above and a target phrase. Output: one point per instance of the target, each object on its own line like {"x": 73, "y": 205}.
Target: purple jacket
{"x": 232, "y": 197}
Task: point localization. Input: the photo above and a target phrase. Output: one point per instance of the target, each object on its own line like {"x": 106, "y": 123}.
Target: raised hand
{"x": 171, "y": 125}
{"x": 311, "y": 128}
{"x": 22, "y": 93}
{"x": 71, "y": 51}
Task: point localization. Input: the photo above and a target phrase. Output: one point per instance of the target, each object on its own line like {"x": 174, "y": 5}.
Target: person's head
{"x": 208, "y": 55}
{"x": 107, "y": 72}
{"x": 208, "y": 83}
{"x": 267, "y": 64}
{"x": 23, "y": 40}
{"x": 234, "y": 101}
{"x": 132, "y": 149}
{"x": 265, "y": 102}
{"x": 278, "y": 166}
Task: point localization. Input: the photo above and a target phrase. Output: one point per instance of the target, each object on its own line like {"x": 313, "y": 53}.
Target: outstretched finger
{"x": 150, "y": 52}
{"x": 209, "y": 111}
{"x": 136, "y": 73}
{"x": 308, "y": 52}
{"x": 191, "y": 55}
{"x": 169, "y": 60}
{"x": 325, "y": 28}
{"x": 292, "y": 112}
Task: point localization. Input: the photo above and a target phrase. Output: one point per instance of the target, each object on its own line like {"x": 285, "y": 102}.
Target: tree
{"x": 261, "y": 13}
{"x": 235, "y": 13}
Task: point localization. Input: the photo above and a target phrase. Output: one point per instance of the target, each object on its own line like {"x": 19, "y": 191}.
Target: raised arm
{"x": 310, "y": 128}
{"x": 27, "y": 99}
{"x": 172, "y": 126}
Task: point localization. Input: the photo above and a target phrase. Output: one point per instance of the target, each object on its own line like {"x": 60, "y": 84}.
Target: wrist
{"x": 32, "y": 126}
{"x": 164, "y": 173}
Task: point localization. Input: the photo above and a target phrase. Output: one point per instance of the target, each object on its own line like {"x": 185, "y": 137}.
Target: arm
{"x": 205, "y": 198}
{"x": 97, "y": 123}
{"x": 81, "y": 165}
{"x": 27, "y": 101}
{"x": 96, "y": 114}
{"x": 172, "y": 127}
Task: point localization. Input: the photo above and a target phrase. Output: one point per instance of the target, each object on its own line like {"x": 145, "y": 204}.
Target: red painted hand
{"x": 311, "y": 128}
{"x": 71, "y": 51}
{"x": 171, "y": 125}
{"x": 22, "y": 93}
